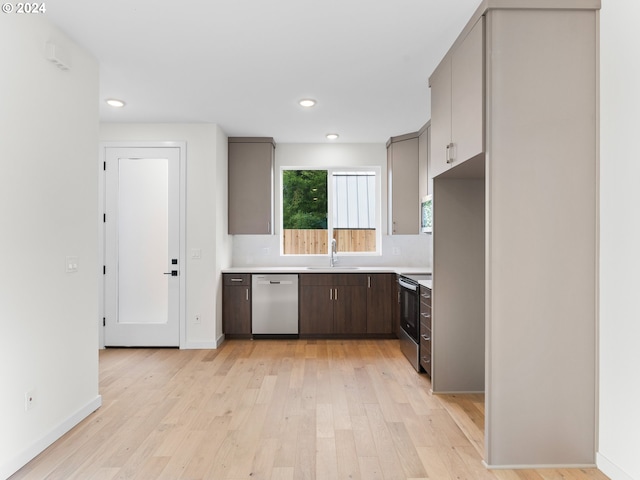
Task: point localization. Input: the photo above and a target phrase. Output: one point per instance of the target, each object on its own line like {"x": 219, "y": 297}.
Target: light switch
{"x": 196, "y": 253}
{"x": 71, "y": 264}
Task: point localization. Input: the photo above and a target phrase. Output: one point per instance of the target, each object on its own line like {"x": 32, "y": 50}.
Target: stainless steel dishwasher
{"x": 274, "y": 305}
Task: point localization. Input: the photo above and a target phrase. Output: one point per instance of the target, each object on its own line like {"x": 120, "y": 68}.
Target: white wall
{"x": 48, "y": 211}
{"x": 619, "y": 432}
{"x": 206, "y": 222}
{"x": 397, "y": 250}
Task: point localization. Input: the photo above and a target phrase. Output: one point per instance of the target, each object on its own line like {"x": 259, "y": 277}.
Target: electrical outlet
{"x": 196, "y": 319}
{"x": 395, "y": 251}
{"x": 29, "y": 400}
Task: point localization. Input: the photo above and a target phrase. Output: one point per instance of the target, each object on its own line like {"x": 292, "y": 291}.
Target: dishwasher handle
{"x": 274, "y": 282}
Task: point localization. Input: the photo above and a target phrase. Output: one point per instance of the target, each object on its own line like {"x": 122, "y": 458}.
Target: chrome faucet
{"x": 334, "y": 251}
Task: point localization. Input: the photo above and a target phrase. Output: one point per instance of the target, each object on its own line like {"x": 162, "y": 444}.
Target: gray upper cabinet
{"x": 457, "y": 103}
{"x": 425, "y": 183}
{"x": 403, "y": 185}
{"x": 251, "y": 163}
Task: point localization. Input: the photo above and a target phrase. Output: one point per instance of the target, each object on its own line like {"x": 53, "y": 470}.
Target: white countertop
{"x": 426, "y": 283}
{"x": 320, "y": 269}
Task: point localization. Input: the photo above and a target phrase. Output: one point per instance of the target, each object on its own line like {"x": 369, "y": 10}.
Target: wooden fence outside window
{"x": 310, "y": 242}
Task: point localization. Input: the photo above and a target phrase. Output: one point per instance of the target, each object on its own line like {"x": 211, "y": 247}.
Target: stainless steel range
{"x": 410, "y": 317}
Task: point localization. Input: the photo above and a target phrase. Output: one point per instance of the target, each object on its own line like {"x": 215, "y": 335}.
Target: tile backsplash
{"x": 397, "y": 250}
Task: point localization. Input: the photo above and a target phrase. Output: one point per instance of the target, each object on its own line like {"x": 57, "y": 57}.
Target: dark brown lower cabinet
{"x": 316, "y": 309}
{"x": 346, "y": 304}
{"x": 236, "y": 305}
{"x": 332, "y": 304}
{"x": 425, "y": 329}
{"x": 350, "y": 310}
{"x": 396, "y": 307}
{"x": 380, "y": 302}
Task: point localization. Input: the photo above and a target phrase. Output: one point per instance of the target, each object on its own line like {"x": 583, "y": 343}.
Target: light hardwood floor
{"x": 275, "y": 409}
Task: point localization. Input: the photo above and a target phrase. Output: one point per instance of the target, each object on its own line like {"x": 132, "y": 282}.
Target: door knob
{"x": 173, "y": 273}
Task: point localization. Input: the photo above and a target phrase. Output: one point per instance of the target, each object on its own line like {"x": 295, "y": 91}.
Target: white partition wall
{"x": 619, "y": 422}
{"x": 49, "y": 223}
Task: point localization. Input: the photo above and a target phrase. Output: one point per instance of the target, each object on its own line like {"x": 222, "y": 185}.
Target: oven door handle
{"x": 408, "y": 286}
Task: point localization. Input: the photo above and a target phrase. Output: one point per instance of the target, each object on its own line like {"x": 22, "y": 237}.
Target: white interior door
{"x": 142, "y": 246}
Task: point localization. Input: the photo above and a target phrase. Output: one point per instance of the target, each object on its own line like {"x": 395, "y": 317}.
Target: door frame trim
{"x": 182, "y": 147}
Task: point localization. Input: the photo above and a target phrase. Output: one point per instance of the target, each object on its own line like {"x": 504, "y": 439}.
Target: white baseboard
{"x": 37, "y": 447}
{"x": 610, "y": 469}
{"x": 457, "y": 392}
{"x": 201, "y": 345}
{"x": 538, "y": 466}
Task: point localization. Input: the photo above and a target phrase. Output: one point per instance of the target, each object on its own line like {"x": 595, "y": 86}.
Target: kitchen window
{"x": 323, "y": 204}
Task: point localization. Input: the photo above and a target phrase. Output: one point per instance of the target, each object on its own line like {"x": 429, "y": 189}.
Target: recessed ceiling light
{"x": 332, "y": 136}
{"x": 307, "y": 102}
{"x": 114, "y": 102}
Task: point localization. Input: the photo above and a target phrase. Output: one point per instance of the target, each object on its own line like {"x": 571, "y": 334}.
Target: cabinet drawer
{"x": 236, "y": 279}
{"x": 425, "y": 316}
{"x": 425, "y": 339}
{"x": 334, "y": 279}
{"x": 425, "y": 296}
{"x": 425, "y": 361}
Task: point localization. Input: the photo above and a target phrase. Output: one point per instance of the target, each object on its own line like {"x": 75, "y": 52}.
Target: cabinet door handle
{"x": 425, "y": 315}
{"x": 425, "y": 338}
{"x": 369, "y": 281}
{"x": 450, "y": 153}
{"x": 237, "y": 279}
{"x": 247, "y": 294}
{"x": 336, "y": 294}
{"x": 331, "y": 294}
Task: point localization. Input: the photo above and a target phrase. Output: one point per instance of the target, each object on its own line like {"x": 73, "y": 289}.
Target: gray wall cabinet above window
{"x": 251, "y": 164}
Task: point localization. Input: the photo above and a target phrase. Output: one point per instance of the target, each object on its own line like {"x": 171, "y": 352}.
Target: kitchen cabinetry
{"x": 539, "y": 162}
{"x": 346, "y": 304}
{"x": 236, "y": 305}
{"x": 333, "y": 304}
{"x": 380, "y": 302}
{"x": 425, "y": 183}
{"x": 330, "y": 305}
{"x": 425, "y": 329}
{"x": 316, "y": 309}
{"x": 403, "y": 185}
{"x": 251, "y": 163}
{"x": 396, "y": 307}
{"x": 457, "y": 103}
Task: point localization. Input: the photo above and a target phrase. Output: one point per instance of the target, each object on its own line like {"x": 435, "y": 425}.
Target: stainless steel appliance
{"x": 410, "y": 317}
{"x": 274, "y": 305}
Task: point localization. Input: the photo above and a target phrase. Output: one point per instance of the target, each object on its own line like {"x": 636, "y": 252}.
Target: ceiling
{"x": 244, "y": 64}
